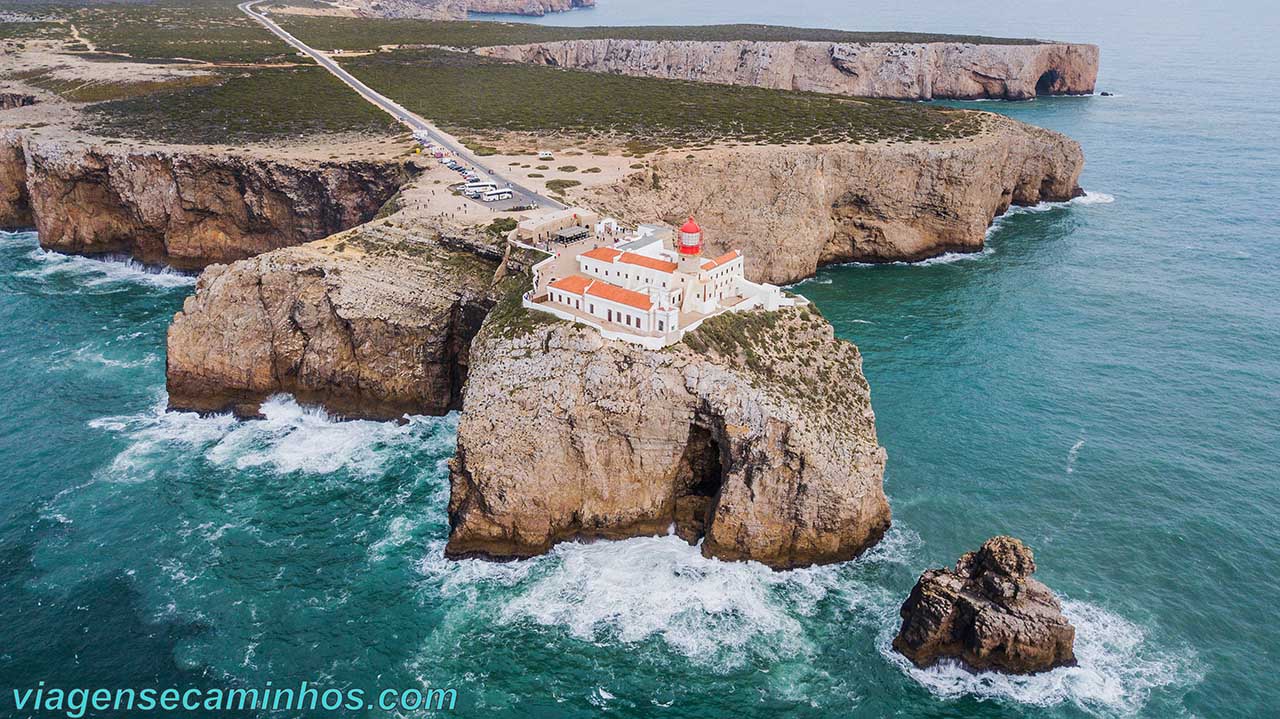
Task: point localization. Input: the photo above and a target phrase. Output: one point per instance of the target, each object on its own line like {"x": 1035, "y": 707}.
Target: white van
{"x": 546, "y": 155}
{"x": 495, "y": 195}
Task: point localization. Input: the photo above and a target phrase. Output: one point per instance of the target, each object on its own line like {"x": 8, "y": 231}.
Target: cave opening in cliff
{"x": 1046, "y": 83}
{"x": 699, "y": 478}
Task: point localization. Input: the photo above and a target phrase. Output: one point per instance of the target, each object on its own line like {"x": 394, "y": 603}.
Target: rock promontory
{"x": 988, "y": 613}
{"x": 895, "y": 70}
{"x": 755, "y": 436}
{"x": 183, "y": 209}
{"x": 794, "y": 208}
{"x": 375, "y": 322}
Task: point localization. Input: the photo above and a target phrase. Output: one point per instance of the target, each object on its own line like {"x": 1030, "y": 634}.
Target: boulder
{"x": 988, "y": 613}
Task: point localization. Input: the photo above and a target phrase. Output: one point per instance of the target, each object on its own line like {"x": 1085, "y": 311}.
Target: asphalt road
{"x": 521, "y": 195}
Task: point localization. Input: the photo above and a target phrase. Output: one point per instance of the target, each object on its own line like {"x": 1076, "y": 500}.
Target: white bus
{"x": 495, "y": 195}
{"x": 478, "y": 187}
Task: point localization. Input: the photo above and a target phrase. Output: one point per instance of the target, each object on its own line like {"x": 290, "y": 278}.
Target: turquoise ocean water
{"x": 1103, "y": 382}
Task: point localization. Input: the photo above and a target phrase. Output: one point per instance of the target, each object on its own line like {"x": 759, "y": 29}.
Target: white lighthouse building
{"x": 645, "y": 291}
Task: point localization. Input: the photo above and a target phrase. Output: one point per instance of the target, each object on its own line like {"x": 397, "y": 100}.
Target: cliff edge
{"x": 792, "y": 209}
{"x": 754, "y": 436}
{"x": 375, "y": 322}
{"x": 894, "y": 70}
{"x": 183, "y": 209}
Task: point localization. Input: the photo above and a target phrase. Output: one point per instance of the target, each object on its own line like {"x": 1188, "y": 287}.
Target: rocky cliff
{"x": 185, "y": 209}
{"x": 791, "y": 209}
{"x": 908, "y": 71}
{"x": 458, "y": 9}
{"x": 375, "y": 322}
{"x": 755, "y": 436}
{"x": 527, "y": 7}
{"x": 15, "y": 203}
{"x": 14, "y": 100}
{"x": 988, "y": 613}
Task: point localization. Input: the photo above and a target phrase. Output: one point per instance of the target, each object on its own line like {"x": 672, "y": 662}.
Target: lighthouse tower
{"x": 689, "y": 247}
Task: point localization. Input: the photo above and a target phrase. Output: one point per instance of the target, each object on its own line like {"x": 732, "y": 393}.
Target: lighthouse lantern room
{"x": 689, "y": 247}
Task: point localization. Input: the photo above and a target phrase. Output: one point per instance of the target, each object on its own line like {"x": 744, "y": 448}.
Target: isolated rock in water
{"x": 988, "y": 613}
{"x": 755, "y": 435}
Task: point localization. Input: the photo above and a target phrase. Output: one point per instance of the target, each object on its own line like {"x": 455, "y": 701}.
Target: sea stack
{"x": 988, "y": 613}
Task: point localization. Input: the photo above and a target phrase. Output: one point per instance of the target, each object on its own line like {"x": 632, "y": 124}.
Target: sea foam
{"x": 289, "y": 438}
{"x": 1116, "y": 673}
{"x": 102, "y": 271}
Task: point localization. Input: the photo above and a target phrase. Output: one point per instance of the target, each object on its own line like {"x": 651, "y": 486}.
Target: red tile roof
{"x": 721, "y": 260}
{"x": 573, "y": 284}
{"x": 622, "y": 296}
{"x": 604, "y": 254}
{"x": 652, "y": 263}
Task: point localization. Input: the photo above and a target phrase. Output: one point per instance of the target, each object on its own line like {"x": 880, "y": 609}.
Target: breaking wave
{"x": 1116, "y": 673}
{"x": 722, "y": 615}
{"x": 102, "y": 271}
{"x": 289, "y": 438}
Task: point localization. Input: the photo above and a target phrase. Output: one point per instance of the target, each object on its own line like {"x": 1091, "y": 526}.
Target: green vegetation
{"x": 31, "y": 30}
{"x": 509, "y": 318}
{"x": 370, "y": 34}
{"x": 213, "y": 32}
{"x": 394, "y": 204}
{"x": 248, "y": 106}
{"x": 567, "y": 168}
{"x": 501, "y": 226}
{"x": 90, "y": 91}
{"x": 462, "y": 92}
{"x": 559, "y": 186}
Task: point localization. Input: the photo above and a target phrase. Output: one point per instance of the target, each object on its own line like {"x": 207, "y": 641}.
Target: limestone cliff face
{"x": 756, "y": 436}
{"x": 527, "y": 7}
{"x": 15, "y": 204}
{"x": 908, "y": 71}
{"x": 370, "y": 323}
{"x": 792, "y": 209}
{"x": 458, "y": 9}
{"x": 187, "y": 210}
{"x": 14, "y": 100}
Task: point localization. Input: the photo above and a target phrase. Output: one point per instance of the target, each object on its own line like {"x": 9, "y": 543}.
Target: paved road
{"x": 419, "y": 126}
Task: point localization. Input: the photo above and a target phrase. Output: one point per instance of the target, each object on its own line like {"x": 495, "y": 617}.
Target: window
{"x": 610, "y": 312}
{"x": 660, "y": 327}
{"x": 591, "y": 308}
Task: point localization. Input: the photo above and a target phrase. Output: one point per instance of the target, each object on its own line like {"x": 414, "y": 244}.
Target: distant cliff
{"x": 185, "y": 209}
{"x": 792, "y": 209}
{"x": 908, "y": 71}
{"x": 458, "y": 9}
{"x": 754, "y": 436}
{"x": 527, "y": 7}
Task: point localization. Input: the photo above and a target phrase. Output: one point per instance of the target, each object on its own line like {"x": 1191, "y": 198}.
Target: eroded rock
{"x": 184, "y": 209}
{"x": 372, "y": 323}
{"x": 755, "y": 436}
{"x": 896, "y": 70}
{"x": 988, "y": 613}
{"x": 792, "y": 209}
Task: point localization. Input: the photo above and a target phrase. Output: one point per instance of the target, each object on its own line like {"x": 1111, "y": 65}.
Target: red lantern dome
{"x": 690, "y": 238}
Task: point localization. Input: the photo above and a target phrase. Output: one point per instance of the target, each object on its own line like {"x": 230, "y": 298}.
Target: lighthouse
{"x": 689, "y": 247}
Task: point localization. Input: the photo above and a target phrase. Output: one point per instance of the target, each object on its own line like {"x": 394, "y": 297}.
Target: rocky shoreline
{"x": 894, "y": 70}
{"x": 755, "y": 436}
{"x": 182, "y": 209}
{"x": 793, "y": 209}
